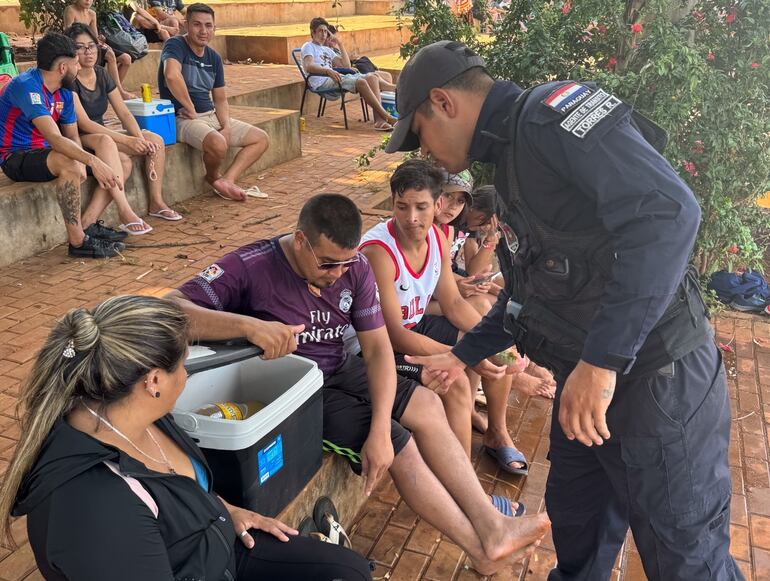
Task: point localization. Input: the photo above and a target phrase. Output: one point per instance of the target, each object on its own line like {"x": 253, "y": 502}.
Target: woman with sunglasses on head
{"x": 95, "y": 91}
{"x": 113, "y": 488}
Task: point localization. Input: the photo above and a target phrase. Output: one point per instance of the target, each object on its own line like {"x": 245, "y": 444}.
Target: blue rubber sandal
{"x": 504, "y": 505}
{"x": 505, "y": 456}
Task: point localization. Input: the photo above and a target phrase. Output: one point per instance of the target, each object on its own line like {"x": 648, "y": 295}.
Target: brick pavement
{"x": 38, "y": 290}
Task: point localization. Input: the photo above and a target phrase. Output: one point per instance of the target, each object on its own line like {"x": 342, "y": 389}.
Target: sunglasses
{"x": 331, "y": 265}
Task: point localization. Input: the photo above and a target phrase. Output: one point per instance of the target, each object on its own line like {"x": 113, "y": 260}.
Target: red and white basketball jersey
{"x": 414, "y": 289}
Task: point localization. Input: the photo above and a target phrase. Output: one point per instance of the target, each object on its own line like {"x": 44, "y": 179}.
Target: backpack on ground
{"x": 747, "y": 291}
{"x": 122, "y": 36}
{"x": 8, "y": 68}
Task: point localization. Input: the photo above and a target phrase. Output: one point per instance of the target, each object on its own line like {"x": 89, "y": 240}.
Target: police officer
{"x": 597, "y": 229}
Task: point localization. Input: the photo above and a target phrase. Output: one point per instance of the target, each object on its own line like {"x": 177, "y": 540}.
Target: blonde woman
{"x": 113, "y": 488}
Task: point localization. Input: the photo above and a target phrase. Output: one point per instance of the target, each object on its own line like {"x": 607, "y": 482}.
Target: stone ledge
{"x": 30, "y": 220}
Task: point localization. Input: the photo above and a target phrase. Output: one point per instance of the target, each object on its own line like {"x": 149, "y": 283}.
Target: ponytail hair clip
{"x": 69, "y": 350}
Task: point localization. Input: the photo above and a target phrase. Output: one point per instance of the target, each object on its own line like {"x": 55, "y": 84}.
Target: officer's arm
{"x": 653, "y": 219}
{"x": 487, "y": 338}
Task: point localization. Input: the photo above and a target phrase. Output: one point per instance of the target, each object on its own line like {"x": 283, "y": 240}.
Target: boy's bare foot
{"x": 534, "y": 386}
{"x": 539, "y": 372}
{"x": 514, "y": 540}
{"x": 228, "y": 190}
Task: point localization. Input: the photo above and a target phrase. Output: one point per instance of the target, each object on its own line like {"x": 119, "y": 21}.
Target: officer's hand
{"x": 583, "y": 404}
{"x": 441, "y": 362}
{"x": 276, "y": 339}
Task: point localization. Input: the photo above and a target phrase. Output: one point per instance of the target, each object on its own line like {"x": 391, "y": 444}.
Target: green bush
{"x": 44, "y": 15}
{"x": 700, "y": 69}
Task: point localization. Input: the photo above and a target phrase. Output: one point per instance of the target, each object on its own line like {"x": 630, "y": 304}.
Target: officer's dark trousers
{"x": 664, "y": 472}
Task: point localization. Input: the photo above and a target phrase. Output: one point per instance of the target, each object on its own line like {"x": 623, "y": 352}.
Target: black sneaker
{"x": 99, "y": 230}
{"x": 96, "y": 248}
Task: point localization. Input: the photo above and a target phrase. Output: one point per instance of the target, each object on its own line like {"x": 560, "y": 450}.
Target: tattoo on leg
{"x": 68, "y": 196}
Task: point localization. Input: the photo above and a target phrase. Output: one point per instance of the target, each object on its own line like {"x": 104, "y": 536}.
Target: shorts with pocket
{"x": 194, "y": 131}
{"x": 347, "y": 411}
{"x": 348, "y": 82}
{"x": 28, "y": 165}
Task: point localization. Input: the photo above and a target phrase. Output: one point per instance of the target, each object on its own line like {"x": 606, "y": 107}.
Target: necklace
{"x": 134, "y": 446}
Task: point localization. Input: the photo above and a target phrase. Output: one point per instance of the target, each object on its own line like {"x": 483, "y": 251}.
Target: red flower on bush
{"x": 733, "y": 249}
{"x": 415, "y": 40}
{"x": 690, "y": 168}
{"x": 730, "y": 18}
{"x": 754, "y": 65}
{"x": 636, "y": 28}
{"x": 710, "y": 56}
{"x": 566, "y": 7}
{"x": 611, "y": 63}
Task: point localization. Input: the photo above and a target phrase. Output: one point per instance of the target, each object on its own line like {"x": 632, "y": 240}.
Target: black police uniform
{"x": 598, "y": 231}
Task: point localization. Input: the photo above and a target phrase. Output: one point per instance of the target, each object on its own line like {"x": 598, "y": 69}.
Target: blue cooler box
{"x": 156, "y": 116}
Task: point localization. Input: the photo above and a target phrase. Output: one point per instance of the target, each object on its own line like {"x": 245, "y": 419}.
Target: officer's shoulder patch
{"x": 211, "y": 273}
{"x": 565, "y": 98}
{"x": 588, "y": 114}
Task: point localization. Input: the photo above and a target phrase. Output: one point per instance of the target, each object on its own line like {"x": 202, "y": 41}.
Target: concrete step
{"x": 30, "y": 219}
{"x": 273, "y": 44}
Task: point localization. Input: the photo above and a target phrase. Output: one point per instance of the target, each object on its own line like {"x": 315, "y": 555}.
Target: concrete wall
{"x": 31, "y": 222}
{"x": 288, "y": 12}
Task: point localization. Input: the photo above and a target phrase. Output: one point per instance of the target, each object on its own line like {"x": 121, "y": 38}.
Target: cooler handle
{"x": 225, "y": 352}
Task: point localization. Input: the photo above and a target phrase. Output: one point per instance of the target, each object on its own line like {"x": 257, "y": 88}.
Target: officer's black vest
{"x": 558, "y": 278}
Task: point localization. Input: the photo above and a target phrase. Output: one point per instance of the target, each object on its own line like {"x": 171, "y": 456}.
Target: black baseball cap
{"x": 430, "y": 67}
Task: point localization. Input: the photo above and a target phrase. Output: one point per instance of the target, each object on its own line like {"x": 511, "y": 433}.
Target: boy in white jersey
{"x": 411, "y": 263}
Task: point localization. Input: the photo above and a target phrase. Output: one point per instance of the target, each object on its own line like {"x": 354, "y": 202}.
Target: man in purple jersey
{"x": 298, "y": 293}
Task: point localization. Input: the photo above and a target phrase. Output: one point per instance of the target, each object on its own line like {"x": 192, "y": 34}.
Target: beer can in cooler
{"x": 146, "y": 93}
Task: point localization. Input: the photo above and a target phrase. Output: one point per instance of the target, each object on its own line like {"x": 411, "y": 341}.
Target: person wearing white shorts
{"x": 319, "y": 60}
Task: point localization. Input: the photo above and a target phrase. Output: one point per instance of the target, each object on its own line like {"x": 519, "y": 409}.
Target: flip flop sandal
{"x": 505, "y": 455}
{"x": 326, "y": 520}
{"x": 505, "y": 506}
{"x": 126, "y": 228}
{"x": 224, "y": 197}
{"x": 255, "y": 192}
{"x": 384, "y": 127}
{"x": 167, "y": 214}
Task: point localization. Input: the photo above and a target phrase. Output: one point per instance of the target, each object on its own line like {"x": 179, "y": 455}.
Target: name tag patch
{"x": 567, "y": 97}
{"x": 590, "y": 113}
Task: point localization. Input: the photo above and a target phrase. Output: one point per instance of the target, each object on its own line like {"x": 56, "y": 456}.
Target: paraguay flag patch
{"x": 567, "y": 97}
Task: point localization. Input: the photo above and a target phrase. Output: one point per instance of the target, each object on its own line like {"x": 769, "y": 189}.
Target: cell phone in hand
{"x": 483, "y": 278}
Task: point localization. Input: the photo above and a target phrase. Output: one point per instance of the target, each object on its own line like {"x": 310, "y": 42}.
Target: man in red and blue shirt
{"x": 39, "y": 139}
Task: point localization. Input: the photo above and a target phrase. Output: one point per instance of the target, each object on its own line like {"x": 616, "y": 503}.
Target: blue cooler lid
{"x": 224, "y": 353}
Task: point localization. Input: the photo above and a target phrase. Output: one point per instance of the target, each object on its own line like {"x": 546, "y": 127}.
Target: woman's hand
{"x": 244, "y": 520}
{"x": 140, "y": 146}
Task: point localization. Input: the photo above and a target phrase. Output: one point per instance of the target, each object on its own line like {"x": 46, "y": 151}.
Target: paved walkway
{"x": 38, "y": 290}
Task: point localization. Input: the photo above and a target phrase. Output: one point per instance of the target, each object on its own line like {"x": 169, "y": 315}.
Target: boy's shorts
{"x": 28, "y": 165}
{"x": 347, "y": 411}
